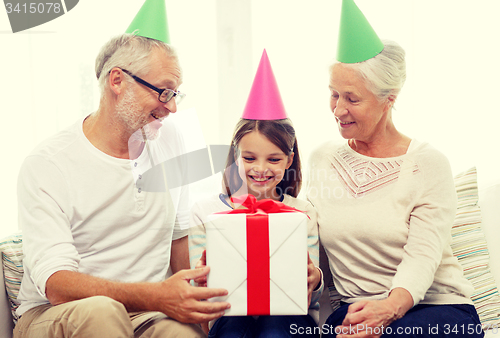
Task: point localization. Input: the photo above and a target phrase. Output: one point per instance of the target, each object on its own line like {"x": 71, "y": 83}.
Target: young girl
{"x": 264, "y": 162}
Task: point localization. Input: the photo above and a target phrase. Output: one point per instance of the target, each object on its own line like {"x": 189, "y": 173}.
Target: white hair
{"x": 385, "y": 73}
{"x": 130, "y": 52}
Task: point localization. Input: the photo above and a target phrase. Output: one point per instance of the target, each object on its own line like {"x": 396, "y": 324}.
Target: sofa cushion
{"x": 469, "y": 246}
{"x": 12, "y": 261}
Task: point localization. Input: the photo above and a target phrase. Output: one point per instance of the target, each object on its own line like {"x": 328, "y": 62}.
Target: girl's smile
{"x": 261, "y": 165}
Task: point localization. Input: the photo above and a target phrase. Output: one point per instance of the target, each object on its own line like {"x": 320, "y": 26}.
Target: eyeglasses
{"x": 164, "y": 95}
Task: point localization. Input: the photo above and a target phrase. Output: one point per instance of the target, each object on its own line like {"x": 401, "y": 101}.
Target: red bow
{"x": 266, "y": 206}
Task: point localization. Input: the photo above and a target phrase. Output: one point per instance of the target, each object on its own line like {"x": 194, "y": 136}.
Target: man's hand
{"x": 175, "y": 296}
{"x": 313, "y": 278}
{"x": 202, "y": 281}
{"x": 186, "y": 303}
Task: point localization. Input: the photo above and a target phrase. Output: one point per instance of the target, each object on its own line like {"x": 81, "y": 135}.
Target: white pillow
{"x": 489, "y": 202}
{"x": 470, "y": 247}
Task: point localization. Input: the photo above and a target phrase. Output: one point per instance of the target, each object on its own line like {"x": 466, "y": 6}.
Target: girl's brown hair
{"x": 282, "y": 134}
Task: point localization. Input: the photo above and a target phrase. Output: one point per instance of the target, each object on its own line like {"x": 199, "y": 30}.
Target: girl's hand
{"x": 202, "y": 281}
{"x": 313, "y": 278}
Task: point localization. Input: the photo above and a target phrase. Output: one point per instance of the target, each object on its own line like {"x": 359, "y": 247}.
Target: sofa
{"x": 476, "y": 228}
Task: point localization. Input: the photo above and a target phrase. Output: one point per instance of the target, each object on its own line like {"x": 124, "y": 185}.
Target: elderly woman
{"x": 386, "y": 204}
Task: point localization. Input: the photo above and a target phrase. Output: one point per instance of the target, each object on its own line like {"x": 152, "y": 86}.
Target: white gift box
{"x": 227, "y": 258}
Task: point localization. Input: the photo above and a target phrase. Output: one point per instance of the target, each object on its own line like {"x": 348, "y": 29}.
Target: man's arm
{"x": 175, "y": 296}
{"x": 179, "y": 256}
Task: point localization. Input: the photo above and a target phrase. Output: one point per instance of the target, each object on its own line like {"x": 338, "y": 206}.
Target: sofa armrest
{"x": 6, "y": 323}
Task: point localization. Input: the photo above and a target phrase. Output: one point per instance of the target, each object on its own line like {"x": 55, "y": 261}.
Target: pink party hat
{"x": 264, "y": 101}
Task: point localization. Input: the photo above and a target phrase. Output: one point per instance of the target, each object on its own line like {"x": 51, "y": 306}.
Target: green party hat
{"x": 151, "y": 21}
{"x": 357, "y": 40}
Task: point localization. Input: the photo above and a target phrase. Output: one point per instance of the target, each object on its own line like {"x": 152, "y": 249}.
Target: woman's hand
{"x": 202, "y": 281}
{"x": 313, "y": 278}
{"x": 376, "y": 315}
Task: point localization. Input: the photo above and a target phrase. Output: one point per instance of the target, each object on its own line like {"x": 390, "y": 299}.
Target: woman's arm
{"x": 430, "y": 224}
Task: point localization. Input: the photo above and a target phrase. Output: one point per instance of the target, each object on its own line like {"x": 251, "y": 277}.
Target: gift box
{"x": 259, "y": 255}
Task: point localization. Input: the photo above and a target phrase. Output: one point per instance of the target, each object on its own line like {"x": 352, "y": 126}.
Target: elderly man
{"x": 97, "y": 245}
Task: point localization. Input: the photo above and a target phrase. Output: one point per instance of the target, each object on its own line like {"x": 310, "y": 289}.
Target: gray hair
{"x": 385, "y": 73}
{"x": 130, "y": 52}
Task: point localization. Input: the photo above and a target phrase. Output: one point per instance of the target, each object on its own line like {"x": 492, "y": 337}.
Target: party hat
{"x": 357, "y": 40}
{"x": 151, "y": 21}
{"x": 264, "y": 101}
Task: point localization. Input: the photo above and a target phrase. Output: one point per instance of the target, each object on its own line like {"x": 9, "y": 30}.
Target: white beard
{"x": 132, "y": 117}
{"x": 145, "y": 133}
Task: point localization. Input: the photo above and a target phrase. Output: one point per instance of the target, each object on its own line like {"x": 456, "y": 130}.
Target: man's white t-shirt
{"x": 83, "y": 210}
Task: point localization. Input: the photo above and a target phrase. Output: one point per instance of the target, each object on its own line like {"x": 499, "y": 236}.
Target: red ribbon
{"x": 258, "y": 264}
{"x": 252, "y": 206}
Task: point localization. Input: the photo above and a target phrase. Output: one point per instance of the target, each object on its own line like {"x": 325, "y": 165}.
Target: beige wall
{"x": 450, "y": 98}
